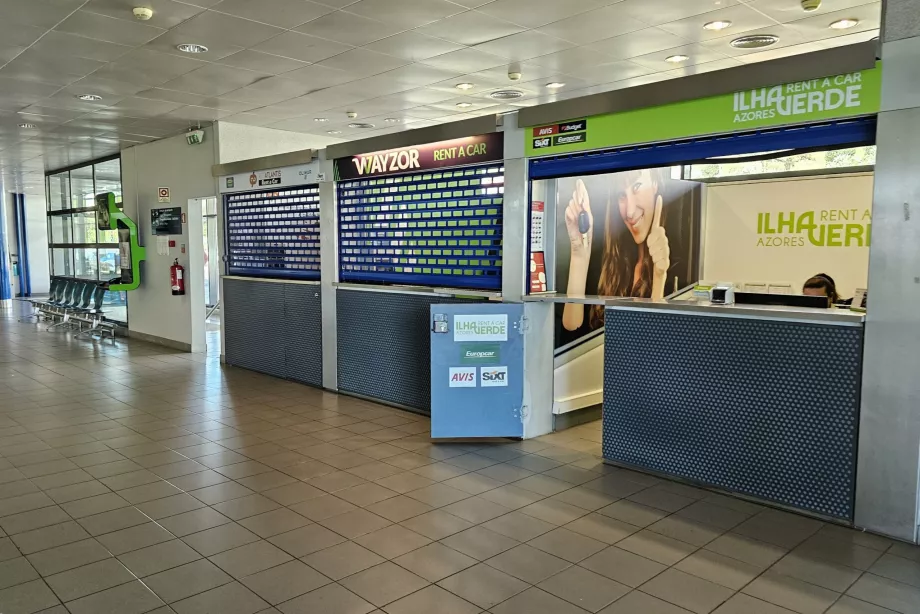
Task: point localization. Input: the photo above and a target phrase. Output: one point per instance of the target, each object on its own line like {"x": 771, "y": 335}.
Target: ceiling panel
{"x": 282, "y": 13}
{"x": 281, "y": 63}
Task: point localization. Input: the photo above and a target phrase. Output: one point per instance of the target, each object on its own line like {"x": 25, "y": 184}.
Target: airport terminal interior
{"x": 459, "y": 307}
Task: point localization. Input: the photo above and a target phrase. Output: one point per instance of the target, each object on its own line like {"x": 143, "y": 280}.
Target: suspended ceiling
{"x": 284, "y": 63}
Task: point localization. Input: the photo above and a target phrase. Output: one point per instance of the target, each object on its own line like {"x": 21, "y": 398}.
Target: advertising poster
{"x": 628, "y": 234}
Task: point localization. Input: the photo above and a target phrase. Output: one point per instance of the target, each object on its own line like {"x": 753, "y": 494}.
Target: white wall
{"x": 242, "y": 142}
{"x": 36, "y": 237}
{"x": 734, "y": 250}
{"x": 186, "y": 171}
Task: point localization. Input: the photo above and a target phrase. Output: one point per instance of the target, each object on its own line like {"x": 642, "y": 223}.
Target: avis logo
{"x": 494, "y": 376}
{"x": 462, "y": 377}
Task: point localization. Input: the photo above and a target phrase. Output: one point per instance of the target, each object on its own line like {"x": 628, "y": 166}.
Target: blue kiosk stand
{"x": 477, "y": 370}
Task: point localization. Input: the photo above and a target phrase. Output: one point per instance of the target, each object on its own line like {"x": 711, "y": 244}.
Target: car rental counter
{"x": 760, "y": 401}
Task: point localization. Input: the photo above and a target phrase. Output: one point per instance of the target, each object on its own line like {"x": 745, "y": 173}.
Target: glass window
{"x": 62, "y": 262}
{"x": 58, "y": 191}
{"x": 86, "y": 263}
{"x": 84, "y": 227}
{"x": 815, "y": 160}
{"x": 60, "y": 229}
{"x": 81, "y": 249}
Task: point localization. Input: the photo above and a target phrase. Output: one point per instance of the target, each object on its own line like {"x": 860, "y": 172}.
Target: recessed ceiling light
{"x": 506, "y": 94}
{"x": 844, "y": 24}
{"x": 555, "y": 85}
{"x": 334, "y": 132}
{"x": 192, "y": 48}
{"x": 361, "y": 125}
{"x": 26, "y": 125}
{"x": 677, "y": 59}
{"x": 89, "y": 97}
{"x": 754, "y": 41}
{"x": 464, "y": 86}
{"x": 719, "y": 24}
{"x": 320, "y": 119}
{"x": 392, "y": 120}
{"x": 464, "y": 105}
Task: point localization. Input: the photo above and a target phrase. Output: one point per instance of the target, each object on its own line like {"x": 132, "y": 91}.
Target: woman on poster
{"x": 636, "y": 253}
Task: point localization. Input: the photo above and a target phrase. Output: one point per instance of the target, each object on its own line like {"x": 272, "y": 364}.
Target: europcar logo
{"x": 479, "y": 353}
{"x": 462, "y": 377}
{"x": 493, "y": 376}
{"x": 481, "y": 328}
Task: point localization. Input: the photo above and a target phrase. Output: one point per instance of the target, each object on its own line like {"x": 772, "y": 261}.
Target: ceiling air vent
{"x": 756, "y": 41}
{"x": 506, "y": 94}
{"x": 361, "y": 125}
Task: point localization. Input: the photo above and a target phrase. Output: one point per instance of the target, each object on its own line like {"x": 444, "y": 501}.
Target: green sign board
{"x": 821, "y": 99}
{"x": 480, "y": 353}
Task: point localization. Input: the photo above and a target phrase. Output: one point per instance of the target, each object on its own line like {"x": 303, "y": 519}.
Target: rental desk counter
{"x": 761, "y": 401}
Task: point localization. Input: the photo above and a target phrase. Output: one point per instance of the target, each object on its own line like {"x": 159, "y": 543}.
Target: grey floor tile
{"x": 134, "y": 538}
{"x": 194, "y": 521}
{"x": 740, "y": 603}
{"x": 473, "y": 483}
{"x": 713, "y": 515}
{"x": 186, "y": 580}
{"x": 233, "y": 598}
{"x": 157, "y": 558}
{"x": 479, "y": 543}
{"x": 399, "y": 508}
{"x": 431, "y": 599}
{"x": 637, "y": 601}
{"x": 251, "y": 558}
{"x": 624, "y": 567}
{"x": 82, "y": 581}
{"x": 897, "y": 568}
{"x": 35, "y": 519}
{"x": 687, "y": 591}
{"x": 285, "y": 582}
{"x": 94, "y": 505}
{"x": 321, "y": 508}
{"x": 244, "y": 507}
{"x": 657, "y": 547}
{"x": 602, "y": 528}
{"x": 218, "y": 493}
{"x": 435, "y": 562}
{"x": 896, "y": 596}
{"x": 585, "y": 498}
{"x": 845, "y": 552}
{"x": 200, "y": 479}
{"x": 476, "y": 509}
{"x": 519, "y": 526}
{"x": 8, "y": 549}
{"x": 544, "y": 485}
{"x": 792, "y": 594}
{"x": 384, "y": 583}
{"x": 780, "y": 528}
{"x": 553, "y": 511}
{"x": 27, "y": 598}
{"x": 74, "y": 492}
{"x": 16, "y": 571}
{"x": 686, "y": 530}
{"x": 633, "y": 513}
{"x": 750, "y": 551}
{"x": 130, "y": 598}
{"x": 69, "y": 556}
{"x": 392, "y": 541}
{"x": 306, "y": 540}
{"x": 528, "y": 564}
{"x": 355, "y": 523}
{"x": 568, "y": 545}
{"x": 274, "y": 522}
{"x": 115, "y": 520}
{"x": 437, "y": 524}
{"x": 364, "y": 495}
{"x": 584, "y": 588}
{"x": 816, "y": 571}
{"x": 342, "y": 560}
{"x": 848, "y": 605}
{"x": 148, "y": 492}
{"x": 536, "y": 601}
{"x": 36, "y": 540}
{"x": 292, "y": 494}
{"x": 219, "y": 539}
{"x": 731, "y": 573}
{"x": 330, "y": 599}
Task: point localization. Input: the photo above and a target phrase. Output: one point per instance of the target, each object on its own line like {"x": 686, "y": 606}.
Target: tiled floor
{"x": 135, "y": 479}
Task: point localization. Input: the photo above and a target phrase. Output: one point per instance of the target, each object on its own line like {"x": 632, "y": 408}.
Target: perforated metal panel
{"x": 304, "y": 333}
{"x": 441, "y": 228}
{"x": 385, "y": 346}
{"x": 253, "y": 337}
{"x": 274, "y": 328}
{"x": 764, "y": 408}
{"x": 274, "y": 233}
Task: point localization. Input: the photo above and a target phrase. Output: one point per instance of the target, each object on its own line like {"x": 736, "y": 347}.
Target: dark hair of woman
{"x": 823, "y": 282}
{"x": 621, "y": 253}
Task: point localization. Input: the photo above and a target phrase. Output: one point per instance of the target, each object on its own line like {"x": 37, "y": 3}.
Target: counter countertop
{"x": 763, "y": 312}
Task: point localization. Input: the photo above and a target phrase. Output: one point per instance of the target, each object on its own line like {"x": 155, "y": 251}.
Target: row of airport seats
{"x": 74, "y": 303}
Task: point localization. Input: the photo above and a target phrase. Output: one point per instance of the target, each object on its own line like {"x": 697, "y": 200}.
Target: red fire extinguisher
{"x": 177, "y": 278}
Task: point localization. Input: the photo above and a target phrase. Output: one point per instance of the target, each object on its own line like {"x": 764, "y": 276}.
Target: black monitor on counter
{"x": 785, "y": 300}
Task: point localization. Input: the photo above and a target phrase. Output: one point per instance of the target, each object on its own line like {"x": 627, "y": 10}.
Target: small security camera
{"x": 351, "y": 115}
{"x": 811, "y": 5}
{"x": 142, "y": 13}
{"x": 514, "y": 76}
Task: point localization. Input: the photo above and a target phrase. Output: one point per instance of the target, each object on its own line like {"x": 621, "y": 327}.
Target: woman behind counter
{"x": 822, "y": 285}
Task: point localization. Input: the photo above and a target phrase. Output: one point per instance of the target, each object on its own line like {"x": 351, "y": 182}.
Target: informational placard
{"x": 537, "y": 216}
{"x": 443, "y": 154}
{"x": 288, "y": 176}
{"x": 827, "y": 98}
{"x": 477, "y": 370}
{"x": 166, "y": 221}
{"x": 163, "y": 195}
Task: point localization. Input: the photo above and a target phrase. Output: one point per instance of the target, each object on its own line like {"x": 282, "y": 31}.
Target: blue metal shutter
{"x": 274, "y": 233}
{"x": 438, "y": 228}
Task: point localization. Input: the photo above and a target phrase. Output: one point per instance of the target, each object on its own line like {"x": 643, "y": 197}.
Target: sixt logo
{"x": 494, "y": 376}
{"x": 544, "y": 142}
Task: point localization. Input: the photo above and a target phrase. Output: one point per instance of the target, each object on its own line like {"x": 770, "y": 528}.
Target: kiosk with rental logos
{"x": 477, "y": 370}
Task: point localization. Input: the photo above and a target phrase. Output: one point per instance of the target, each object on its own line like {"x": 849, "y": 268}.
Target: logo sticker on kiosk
{"x": 481, "y": 328}
{"x": 462, "y": 377}
{"x": 492, "y": 377}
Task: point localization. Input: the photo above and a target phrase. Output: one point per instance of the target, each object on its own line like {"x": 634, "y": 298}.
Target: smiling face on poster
{"x": 628, "y": 234}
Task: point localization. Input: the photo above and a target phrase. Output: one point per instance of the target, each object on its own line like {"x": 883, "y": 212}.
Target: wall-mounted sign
{"x": 823, "y": 99}
{"x": 286, "y": 177}
{"x": 166, "y": 221}
{"x": 458, "y": 152}
{"x": 163, "y": 195}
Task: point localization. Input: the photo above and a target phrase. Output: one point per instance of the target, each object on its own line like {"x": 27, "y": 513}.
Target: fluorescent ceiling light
{"x": 464, "y": 86}
{"x": 677, "y": 59}
{"x": 844, "y": 24}
{"x": 555, "y": 85}
{"x": 192, "y": 48}
{"x": 89, "y": 97}
{"x": 719, "y": 24}
{"x": 464, "y": 105}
